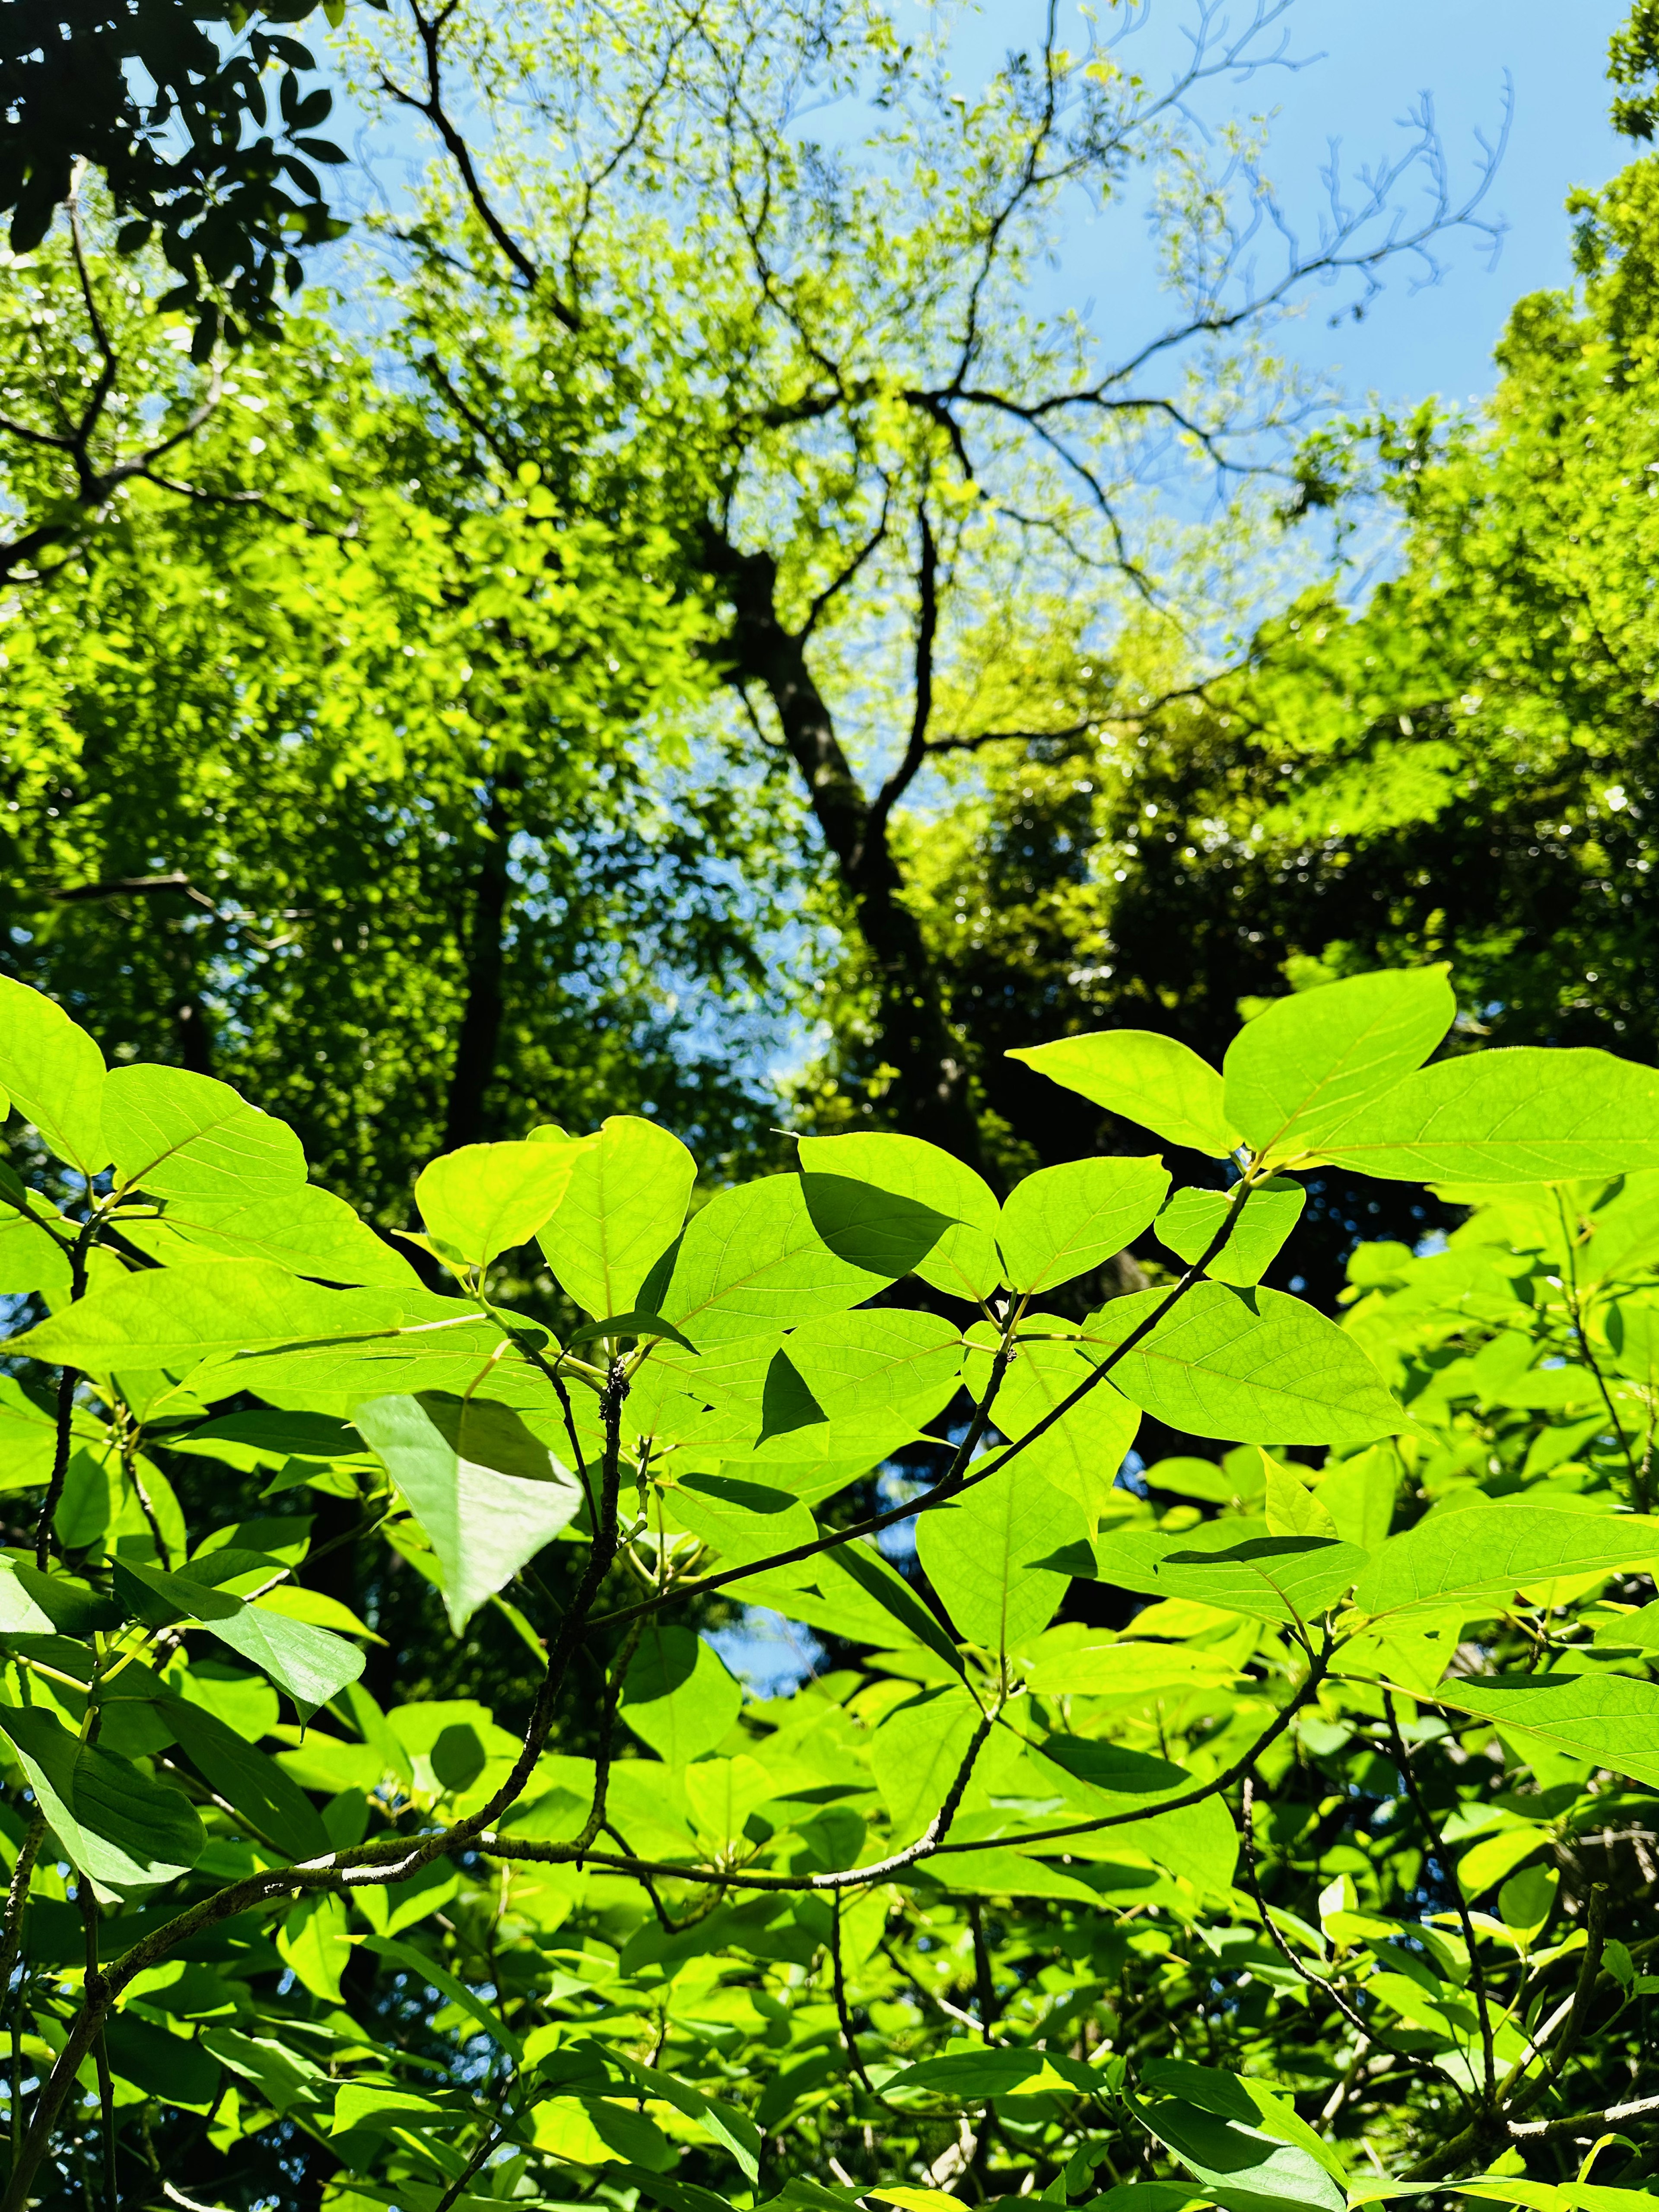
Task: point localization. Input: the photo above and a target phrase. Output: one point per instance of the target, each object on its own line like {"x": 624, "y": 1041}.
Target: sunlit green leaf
{"x": 179, "y": 1135}
{"x": 1062, "y": 1222}
{"x": 1308, "y": 1063}
{"x": 1237, "y": 1565}
{"x": 626, "y": 1200}
{"x": 1254, "y": 1366}
{"x": 1151, "y": 1080}
{"x": 678, "y": 1695}
{"x": 751, "y": 1261}
{"x": 1522, "y": 1115}
{"x": 488, "y": 1493}
{"x": 999, "y": 1556}
{"x": 1189, "y": 1223}
{"x": 963, "y": 1260}
{"x": 178, "y": 1316}
{"x": 1489, "y": 1551}
{"x": 124, "y": 1831}
{"x": 1611, "y": 1720}
{"x": 55, "y": 1074}
{"x": 483, "y": 1200}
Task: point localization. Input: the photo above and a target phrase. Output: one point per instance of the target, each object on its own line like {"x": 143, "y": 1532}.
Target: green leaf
{"x": 28, "y": 1437}
{"x": 1251, "y": 1366}
{"x": 748, "y": 1399}
{"x": 1149, "y": 1079}
{"x": 678, "y": 1695}
{"x": 964, "y": 1261}
{"x": 856, "y": 1363}
{"x": 1359, "y": 1494}
{"x": 1490, "y": 1550}
{"x": 372, "y": 2105}
{"x": 1082, "y": 1453}
{"x": 752, "y": 1262}
{"x": 1522, "y": 1115}
{"x": 1310, "y": 1062}
{"x": 161, "y": 2065}
{"x": 175, "y": 1317}
{"x": 485, "y": 1200}
{"x": 624, "y": 1207}
{"x": 55, "y": 1074}
{"x": 244, "y": 1778}
{"x": 974, "y": 2077}
{"x": 19, "y": 1613}
{"x": 917, "y": 1755}
{"x": 1061, "y": 1222}
{"x": 1611, "y": 1720}
{"x": 177, "y": 1135}
{"x": 285, "y": 2079}
{"x": 314, "y": 1940}
{"x": 267, "y": 1438}
{"x": 1292, "y": 1508}
{"x": 742, "y": 1520}
{"x": 307, "y": 1231}
{"x": 1633, "y": 1327}
{"x": 723, "y": 2122}
{"x": 997, "y": 1556}
{"x": 1187, "y": 1224}
{"x": 1233, "y": 2096}
{"x": 33, "y": 1258}
{"x": 1235, "y": 1565}
{"x": 1242, "y": 2166}
{"x": 312, "y": 1664}
{"x": 335, "y": 1377}
{"x": 871, "y": 1228}
{"x": 636, "y": 1323}
{"x": 488, "y": 1493}
{"x": 119, "y": 1827}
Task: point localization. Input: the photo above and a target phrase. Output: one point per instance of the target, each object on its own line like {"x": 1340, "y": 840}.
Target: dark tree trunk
{"x": 930, "y": 1096}
{"x": 478, "y": 1039}
{"x": 195, "y": 1037}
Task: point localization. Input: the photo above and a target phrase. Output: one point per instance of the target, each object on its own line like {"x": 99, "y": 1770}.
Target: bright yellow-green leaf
{"x": 55, "y": 1074}
{"x": 1309, "y": 1062}
{"x": 1062, "y": 1222}
{"x": 483, "y": 1200}
{"x": 624, "y": 1207}
{"x": 1149, "y": 1081}
{"x": 1520, "y": 1115}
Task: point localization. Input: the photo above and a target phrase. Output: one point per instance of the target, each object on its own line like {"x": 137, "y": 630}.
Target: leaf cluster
{"x": 1310, "y": 1858}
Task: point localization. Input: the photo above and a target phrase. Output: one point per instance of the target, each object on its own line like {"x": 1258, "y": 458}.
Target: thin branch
{"x": 429, "y": 30}
{"x": 839, "y": 582}
{"x": 1436, "y": 1843}
{"x": 843, "y": 2012}
{"x": 17, "y": 1895}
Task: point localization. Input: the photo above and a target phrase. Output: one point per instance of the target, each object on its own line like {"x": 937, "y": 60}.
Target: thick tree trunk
{"x": 930, "y": 1096}
{"x": 477, "y": 1041}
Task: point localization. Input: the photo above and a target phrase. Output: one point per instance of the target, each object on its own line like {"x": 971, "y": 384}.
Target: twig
{"x": 843, "y": 2014}
{"x": 1432, "y": 1838}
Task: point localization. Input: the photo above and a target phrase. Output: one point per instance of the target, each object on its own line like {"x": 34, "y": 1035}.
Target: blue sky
{"x": 1378, "y": 56}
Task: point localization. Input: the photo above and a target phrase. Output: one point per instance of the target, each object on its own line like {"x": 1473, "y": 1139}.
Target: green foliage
{"x": 361, "y": 781}
{"x": 1309, "y": 1859}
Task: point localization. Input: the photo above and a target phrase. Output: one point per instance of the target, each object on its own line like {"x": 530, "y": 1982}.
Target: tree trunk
{"x": 930, "y": 1095}
{"x": 478, "y": 1040}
